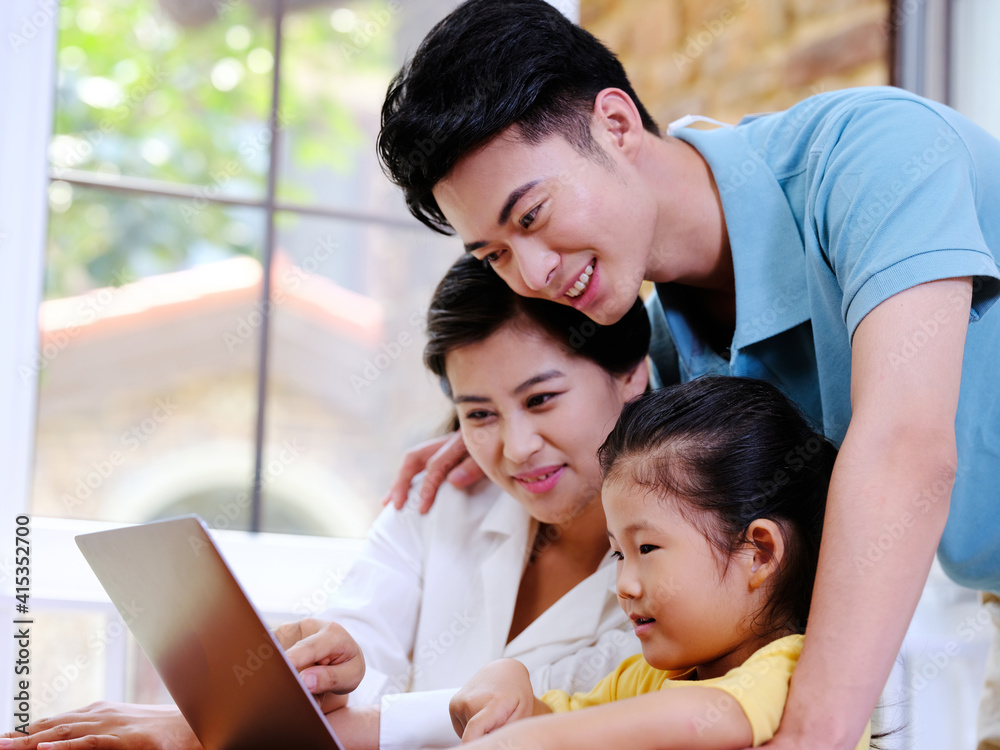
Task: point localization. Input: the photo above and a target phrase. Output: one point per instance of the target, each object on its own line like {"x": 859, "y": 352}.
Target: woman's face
{"x": 533, "y": 416}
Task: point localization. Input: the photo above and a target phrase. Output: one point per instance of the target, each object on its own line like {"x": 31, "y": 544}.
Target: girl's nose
{"x": 627, "y": 582}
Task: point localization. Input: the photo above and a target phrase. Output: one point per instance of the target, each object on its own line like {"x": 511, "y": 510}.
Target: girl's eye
{"x": 646, "y": 548}
{"x": 528, "y": 219}
{"x": 539, "y": 398}
{"x": 616, "y": 555}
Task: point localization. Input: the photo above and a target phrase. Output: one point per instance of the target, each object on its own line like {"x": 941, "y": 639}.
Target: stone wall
{"x": 727, "y": 58}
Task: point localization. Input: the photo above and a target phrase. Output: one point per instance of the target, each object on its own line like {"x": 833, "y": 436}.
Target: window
{"x": 195, "y": 146}
{"x": 231, "y": 320}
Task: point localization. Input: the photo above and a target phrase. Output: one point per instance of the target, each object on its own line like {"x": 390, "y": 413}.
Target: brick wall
{"x": 727, "y": 58}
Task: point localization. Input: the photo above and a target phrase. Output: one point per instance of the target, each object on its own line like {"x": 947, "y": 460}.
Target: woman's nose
{"x": 521, "y": 440}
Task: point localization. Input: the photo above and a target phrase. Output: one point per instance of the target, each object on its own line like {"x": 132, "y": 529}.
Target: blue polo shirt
{"x": 832, "y": 207}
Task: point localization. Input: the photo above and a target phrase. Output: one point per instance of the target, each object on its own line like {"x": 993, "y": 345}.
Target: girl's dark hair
{"x": 472, "y": 302}
{"x": 735, "y": 449}
{"x": 486, "y": 66}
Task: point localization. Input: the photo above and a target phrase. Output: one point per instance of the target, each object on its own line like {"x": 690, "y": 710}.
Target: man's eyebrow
{"x": 537, "y": 379}
{"x": 512, "y": 199}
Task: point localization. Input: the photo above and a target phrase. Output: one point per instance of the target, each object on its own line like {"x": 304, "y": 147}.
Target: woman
{"x": 520, "y": 569}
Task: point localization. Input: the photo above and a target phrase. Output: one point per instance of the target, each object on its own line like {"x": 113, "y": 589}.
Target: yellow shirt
{"x": 759, "y": 686}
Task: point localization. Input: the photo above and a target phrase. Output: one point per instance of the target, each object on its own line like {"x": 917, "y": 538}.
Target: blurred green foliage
{"x": 139, "y": 95}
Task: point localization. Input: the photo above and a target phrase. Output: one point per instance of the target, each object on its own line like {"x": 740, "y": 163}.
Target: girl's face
{"x": 685, "y": 610}
{"x": 533, "y": 416}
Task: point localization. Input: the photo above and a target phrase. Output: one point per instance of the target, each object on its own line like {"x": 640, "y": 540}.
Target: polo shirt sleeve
{"x": 894, "y": 204}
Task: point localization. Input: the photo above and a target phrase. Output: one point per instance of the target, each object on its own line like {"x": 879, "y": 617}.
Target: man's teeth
{"x": 581, "y": 285}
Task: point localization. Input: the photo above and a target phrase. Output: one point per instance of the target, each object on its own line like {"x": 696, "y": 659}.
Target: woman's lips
{"x": 540, "y": 481}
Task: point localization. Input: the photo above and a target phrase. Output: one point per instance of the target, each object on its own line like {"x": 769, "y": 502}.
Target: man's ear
{"x": 635, "y": 381}
{"x": 767, "y": 544}
{"x": 617, "y": 123}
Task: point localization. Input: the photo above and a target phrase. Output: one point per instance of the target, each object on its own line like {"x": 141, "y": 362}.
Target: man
{"x": 844, "y": 250}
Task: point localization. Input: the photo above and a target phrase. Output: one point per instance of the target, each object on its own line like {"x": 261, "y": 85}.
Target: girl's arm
{"x": 685, "y": 718}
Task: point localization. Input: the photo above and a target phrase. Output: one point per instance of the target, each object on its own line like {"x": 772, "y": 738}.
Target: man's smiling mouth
{"x": 581, "y": 284}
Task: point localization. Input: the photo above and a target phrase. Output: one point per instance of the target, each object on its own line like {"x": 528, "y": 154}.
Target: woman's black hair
{"x": 472, "y": 302}
{"x": 735, "y": 450}
{"x": 486, "y": 66}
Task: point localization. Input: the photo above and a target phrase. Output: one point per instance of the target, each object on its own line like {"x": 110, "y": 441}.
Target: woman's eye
{"x": 646, "y": 548}
{"x": 492, "y": 258}
{"x": 528, "y": 219}
{"x": 616, "y": 555}
{"x": 539, "y": 398}
{"x": 476, "y": 415}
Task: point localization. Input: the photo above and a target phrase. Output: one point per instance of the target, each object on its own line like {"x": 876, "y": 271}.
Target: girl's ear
{"x": 768, "y": 546}
{"x": 635, "y": 381}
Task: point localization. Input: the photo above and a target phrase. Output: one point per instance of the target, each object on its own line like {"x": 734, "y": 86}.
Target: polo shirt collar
{"x": 766, "y": 243}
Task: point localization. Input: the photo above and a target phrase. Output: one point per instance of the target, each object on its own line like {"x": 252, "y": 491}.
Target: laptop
{"x": 222, "y": 666}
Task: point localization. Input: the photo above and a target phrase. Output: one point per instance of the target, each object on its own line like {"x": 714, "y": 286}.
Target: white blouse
{"x": 430, "y": 601}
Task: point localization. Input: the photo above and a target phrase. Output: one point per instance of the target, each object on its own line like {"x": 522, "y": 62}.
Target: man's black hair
{"x": 486, "y": 66}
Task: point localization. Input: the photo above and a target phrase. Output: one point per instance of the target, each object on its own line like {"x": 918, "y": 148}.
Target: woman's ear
{"x": 767, "y": 544}
{"x": 635, "y": 381}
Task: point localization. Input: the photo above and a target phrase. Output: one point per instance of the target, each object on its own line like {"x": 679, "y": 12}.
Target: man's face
{"x": 554, "y": 223}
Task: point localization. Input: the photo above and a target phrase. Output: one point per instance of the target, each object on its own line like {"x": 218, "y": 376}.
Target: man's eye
{"x": 529, "y": 218}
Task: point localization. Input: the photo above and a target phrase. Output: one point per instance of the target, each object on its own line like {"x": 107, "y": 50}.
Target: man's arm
{"x": 888, "y": 504}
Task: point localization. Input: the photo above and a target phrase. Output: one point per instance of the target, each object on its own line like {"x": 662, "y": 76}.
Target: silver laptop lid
{"x": 216, "y": 657}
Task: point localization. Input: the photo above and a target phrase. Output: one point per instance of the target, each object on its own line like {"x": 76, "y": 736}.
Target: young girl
{"x": 714, "y": 493}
